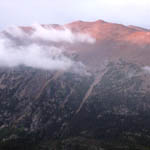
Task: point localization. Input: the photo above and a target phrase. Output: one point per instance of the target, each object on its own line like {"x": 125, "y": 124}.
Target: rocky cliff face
{"x": 108, "y": 108}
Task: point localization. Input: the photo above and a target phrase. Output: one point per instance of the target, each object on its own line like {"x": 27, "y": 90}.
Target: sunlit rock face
{"x": 83, "y": 83}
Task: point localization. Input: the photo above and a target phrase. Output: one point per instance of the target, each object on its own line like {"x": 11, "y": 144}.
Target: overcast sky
{"x": 26, "y": 12}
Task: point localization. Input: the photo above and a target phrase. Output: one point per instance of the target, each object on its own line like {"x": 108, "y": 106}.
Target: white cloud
{"x": 34, "y": 56}
{"x": 146, "y": 69}
{"x": 65, "y": 35}
{"x": 37, "y": 55}
{"x": 49, "y": 34}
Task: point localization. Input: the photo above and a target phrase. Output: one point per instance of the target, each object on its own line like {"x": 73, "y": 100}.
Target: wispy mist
{"x": 146, "y": 69}
{"x": 18, "y": 47}
{"x": 48, "y": 33}
{"x": 65, "y": 35}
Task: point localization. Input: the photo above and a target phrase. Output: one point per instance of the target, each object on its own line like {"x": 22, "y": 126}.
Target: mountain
{"x": 102, "y": 102}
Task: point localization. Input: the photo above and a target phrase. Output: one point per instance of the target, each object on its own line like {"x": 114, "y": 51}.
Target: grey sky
{"x": 26, "y": 12}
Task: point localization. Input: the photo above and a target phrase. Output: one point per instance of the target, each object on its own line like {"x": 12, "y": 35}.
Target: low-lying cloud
{"x": 48, "y": 34}
{"x": 34, "y": 56}
{"x": 18, "y": 47}
{"x": 146, "y": 69}
{"x": 65, "y": 35}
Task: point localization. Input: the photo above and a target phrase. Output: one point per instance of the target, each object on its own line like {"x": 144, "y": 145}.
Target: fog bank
{"x": 18, "y": 47}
